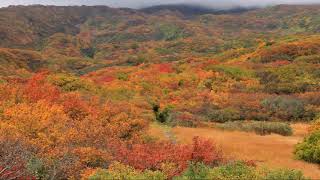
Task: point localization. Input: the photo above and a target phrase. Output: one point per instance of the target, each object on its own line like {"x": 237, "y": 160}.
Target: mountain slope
{"x": 193, "y": 10}
{"x": 80, "y": 86}
{"x": 90, "y": 38}
{"x": 29, "y": 25}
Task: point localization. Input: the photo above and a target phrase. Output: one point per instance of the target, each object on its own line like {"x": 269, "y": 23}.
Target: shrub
{"x": 285, "y": 108}
{"x": 14, "y": 154}
{"x": 161, "y": 116}
{"x": 74, "y": 65}
{"x": 75, "y": 107}
{"x": 236, "y": 170}
{"x": 233, "y": 72}
{"x": 288, "y": 51}
{"x": 309, "y": 149}
{"x": 70, "y": 83}
{"x": 123, "y": 76}
{"x": 88, "y": 52}
{"x": 219, "y": 83}
{"x": 169, "y": 32}
{"x": 288, "y": 79}
{"x": 37, "y": 122}
{"x": 195, "y": 171}
{"x": 120, "y": 171}
{"x": 262, "y": 128}
{"x": 135, "y": 60}
{"x": 313, "y": 59}
{"x": 38, "y": 89}
{"x": 154, "y": 155}
{"x": 311, "y": 98}
{"x": 248, "y": 105}
{"x": 224, "y": 115}
{"x": 204, "y": 150}
{"x": 184, "y": 119}
{"x": 284, "y": 174}
{"x": 315, "y": 126}
{"x": 37, "y": 168}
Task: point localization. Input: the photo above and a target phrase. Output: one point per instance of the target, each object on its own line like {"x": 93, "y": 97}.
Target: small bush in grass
{"x": 284, "y": 174}
{"x": 309, "y": 149}
{"x": 238, "y": 171}
{"x": 195, "y": 171}
{"x": 259, "y": 127}
{"x": 224, "y": 115}
{"x": 184, "y": 119}
{"x": 199, "y": 170}
{"x": 121, "y": 171}
{"x": 235, "y": 170}
{"x": 315, "y": 126}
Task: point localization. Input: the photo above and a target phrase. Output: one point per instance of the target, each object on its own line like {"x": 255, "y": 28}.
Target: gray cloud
{"x": 143, "y": 3}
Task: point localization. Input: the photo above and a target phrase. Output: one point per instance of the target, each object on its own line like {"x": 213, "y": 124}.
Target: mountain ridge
{"x": 192, "y": 9}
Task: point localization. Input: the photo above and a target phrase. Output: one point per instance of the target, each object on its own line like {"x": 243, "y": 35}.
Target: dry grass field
{"x": 273, "y": 151}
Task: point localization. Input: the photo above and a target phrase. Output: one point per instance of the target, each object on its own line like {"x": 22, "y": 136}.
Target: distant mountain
{"x": 83, "y": 39}
{"x": 24, "y": 25}
{"x": 191, "y": 10}
{"x": 31, "y": 26}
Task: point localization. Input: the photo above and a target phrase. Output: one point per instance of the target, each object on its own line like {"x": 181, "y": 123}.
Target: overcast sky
{"x": 144, "y": 3}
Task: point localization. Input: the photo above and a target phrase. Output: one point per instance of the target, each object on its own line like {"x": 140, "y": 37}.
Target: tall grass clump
{"x": 259, "y": 127}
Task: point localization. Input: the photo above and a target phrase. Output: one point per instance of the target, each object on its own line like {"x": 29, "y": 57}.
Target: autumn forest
{"x": 168, "y": 92}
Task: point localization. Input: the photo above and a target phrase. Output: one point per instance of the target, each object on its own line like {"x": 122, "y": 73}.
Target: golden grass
{"x": 273, "y": 151}
{"x": 158, "y": 131}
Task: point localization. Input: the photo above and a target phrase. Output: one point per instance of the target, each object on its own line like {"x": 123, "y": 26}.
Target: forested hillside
{"x": 81, "y": 86}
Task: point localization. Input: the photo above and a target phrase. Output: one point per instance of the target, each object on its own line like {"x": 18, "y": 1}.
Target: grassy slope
{"x": 272, "y": 151}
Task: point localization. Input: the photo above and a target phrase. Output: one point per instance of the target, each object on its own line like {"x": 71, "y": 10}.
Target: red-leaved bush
{"x": 153, "y": 155}
{"x": 164, "y": 68}
{"x": 38, "y": 89}
{"x": 204, "y": 150}
{"x": 13, "y": 158}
